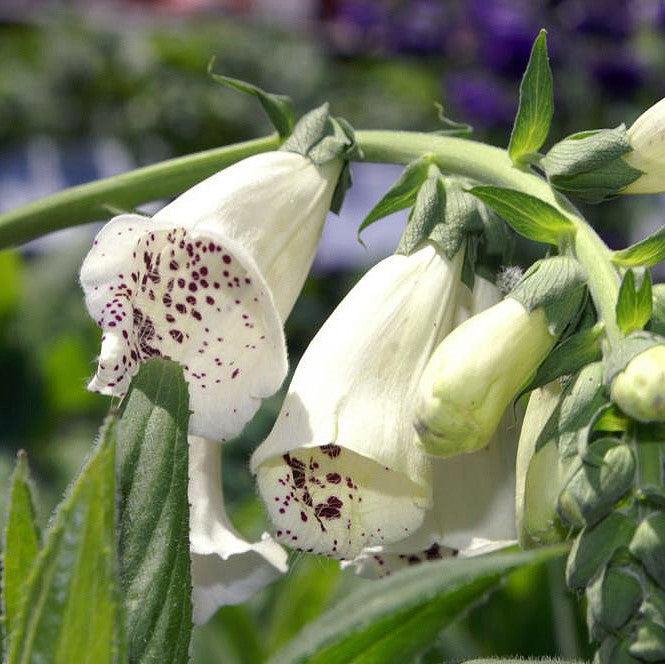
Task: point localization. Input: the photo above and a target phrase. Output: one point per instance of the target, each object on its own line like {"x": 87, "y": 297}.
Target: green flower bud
{"x": 639, "y": 390}
{"x": 475, "y": 373}
{"x": 538, "y": 474}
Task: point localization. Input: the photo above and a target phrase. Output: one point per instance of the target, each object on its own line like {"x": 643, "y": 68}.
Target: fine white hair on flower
{"x": 473, "y": 502}
{"x": 226, "y": 569}
{"x": 340, "y": 469}
{"x": 208, "y": 282}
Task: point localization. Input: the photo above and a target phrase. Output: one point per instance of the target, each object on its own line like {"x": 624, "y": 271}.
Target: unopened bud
{"x": 647, "y": 139}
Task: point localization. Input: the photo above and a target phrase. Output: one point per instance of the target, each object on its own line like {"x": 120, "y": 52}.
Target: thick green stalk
{"x": 93, "y": 201}
{"x": 492, "y": 165}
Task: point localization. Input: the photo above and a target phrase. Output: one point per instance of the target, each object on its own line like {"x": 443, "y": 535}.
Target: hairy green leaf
{"x": 451, "y": 127}
{"x": 402, "y": 194}
{"x": 153, "y": 516}
{"x": 70, "y": 609}
{"x": 390, "y": 621}
{"x": 634, "y": 306}
{"x": 278, "y": 108}
{"x": 647, "y": 253}
{"x": 536, "y": 105}
{"x": 528, "y": 215}
{"x": 21, "y": 540}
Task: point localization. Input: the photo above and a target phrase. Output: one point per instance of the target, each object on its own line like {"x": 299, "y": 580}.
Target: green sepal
{"x": 71, "y": 609}
{"x": 278, "y": 108}
{"x": 626, "y": 350}
{"x": 402, "y": 194}
{"x": 593, "y": 490}
{"x": 589, "y": 165}
{"x": 615, "y": 651}
{"x": 428, "y": 211}
{"x": 646, "y": 253}
{"x": 21, "y": 540}
{"x": 462, "y": 216}
{"x": 649, "y": 642}
{"x": 528, "y": 215}
{"x": 634, "y": 305}
{"x": 594, "y": 547}
{"x": 657, "y": 322}
{"x": 648, "y": 546}
{"x": 555, "y": 284}
{"x": 322, "y": 138}
{"x": 568, "y": 357}
{"x": 612, "y": 599}
{"x": 536, "y": 105}
{"x": 495, "y": 245}
{"x": 451, "y": 127}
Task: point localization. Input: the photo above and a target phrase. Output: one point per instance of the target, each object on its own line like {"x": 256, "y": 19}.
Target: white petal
{"x": 196, "y": 298}
{"x": 226, "y": 569}
{"x": 473, "y": 509}
{"x": 353, "y": 392}
{"x": 274, "y": 205}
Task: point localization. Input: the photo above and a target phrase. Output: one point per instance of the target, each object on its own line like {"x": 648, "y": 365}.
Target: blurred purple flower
{"x": 420, "y": 28}
{"x": 619, "y": 76}
{"x": 615, "y": 21}
{"x": 359, "y": 26}
{"x": 506, "y": 31}
{"x": 479, "y": 100}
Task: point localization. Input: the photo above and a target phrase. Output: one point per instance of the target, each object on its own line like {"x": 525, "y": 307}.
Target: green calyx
{"x": 627, "y": 350}
{"x": 589, "y": 165}
{"x": 558, "y": 286}
{"x": 322, "y": 138}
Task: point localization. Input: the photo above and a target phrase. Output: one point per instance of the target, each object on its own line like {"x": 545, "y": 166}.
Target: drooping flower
{"x": 340, "y": 470}
{"x": 473, "y": 507}
{"x": 226, "y": 569}
{"x": 479, "y": 368}
{"x": 208, "y": 282}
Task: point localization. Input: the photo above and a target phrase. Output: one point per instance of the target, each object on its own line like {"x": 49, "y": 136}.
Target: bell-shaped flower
{"x": 473, "y": 510}
{"x": 647, "y": 139}
{"x": 340, "y": 470}
{"x": 208, "y": 282}
{"x": 639, "y": 390}
{"x": 226, "y": 569}
{"x": 475, "y": 373}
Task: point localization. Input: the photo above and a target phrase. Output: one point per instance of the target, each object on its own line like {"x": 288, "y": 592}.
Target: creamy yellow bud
{"x": 538, "y": 483}
{"x": 647, "y": 138}
{"x": 639, "y": 390}
{"x": 475, "y": 373}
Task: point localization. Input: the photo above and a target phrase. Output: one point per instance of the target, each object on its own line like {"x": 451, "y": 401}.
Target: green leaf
{"x": 70, "y": 606}
{"x": 634, "y": 306}
{"x": 575, "y": 352}
{"x": 393, "y": 619}
{"x": 153, "y": 514}
{"x": 647, "y": 253}
{"x": 279, "y": 108}
{"x": 402, "y": 194}
{"x": 528, "y": 215}
{"x": 21, "y": 540}
{"x": 536, "y": 105}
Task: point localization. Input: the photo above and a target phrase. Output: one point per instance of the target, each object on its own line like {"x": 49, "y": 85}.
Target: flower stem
{"x": 492, "y": 165}
{"x": 91, "y": 202}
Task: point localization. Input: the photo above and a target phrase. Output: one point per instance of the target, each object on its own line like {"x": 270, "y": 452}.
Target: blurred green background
{"x": 89, "y": 89}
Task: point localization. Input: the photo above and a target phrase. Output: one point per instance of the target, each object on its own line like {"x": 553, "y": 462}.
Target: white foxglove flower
{"x": 647, "y": 138}
{"x": 208, "y": 282}
{"x": 340, "y": 470}
{"x": 226, "y": 569}
{"x": 473, "y": 510}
